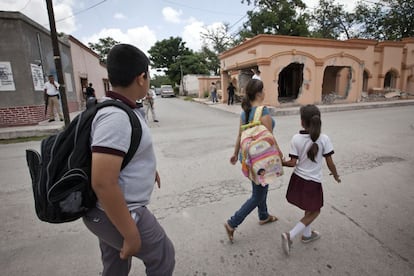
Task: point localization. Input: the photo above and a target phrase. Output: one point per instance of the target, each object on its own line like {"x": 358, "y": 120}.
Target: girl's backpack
{"x": 260, "y": 156}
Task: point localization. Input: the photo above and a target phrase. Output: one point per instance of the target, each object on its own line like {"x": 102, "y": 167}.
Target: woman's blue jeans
{"x": 258, "y": 199}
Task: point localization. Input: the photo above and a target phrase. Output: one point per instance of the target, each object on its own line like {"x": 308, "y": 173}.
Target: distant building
{"x": 303, "y": 70}
{"x": 87, "y": 68}
{"x": 26, "y": 58}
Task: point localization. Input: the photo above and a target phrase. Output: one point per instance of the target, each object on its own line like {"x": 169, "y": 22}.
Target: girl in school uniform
{"x": 308, "y": 148}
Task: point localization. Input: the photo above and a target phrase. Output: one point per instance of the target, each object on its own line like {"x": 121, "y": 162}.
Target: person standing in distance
{"x": 230, "y": 90}
{"x": 256, "y": 75}
{"x": 121, "y": 221}
{"x": 90, "y": 92}
{"x": 308, "y": 149}
{"x": 52, "y": 96}
{"x": 213, "y": 92}
{"x": 149, "y": 103}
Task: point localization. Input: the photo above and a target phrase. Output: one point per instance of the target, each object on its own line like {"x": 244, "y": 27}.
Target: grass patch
{"x": 188, "y": 98}
{"x": 22, "y": 139}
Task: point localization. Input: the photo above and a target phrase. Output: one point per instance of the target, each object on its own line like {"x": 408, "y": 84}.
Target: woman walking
{"x": 254, "y": 98}
{"x": 308, "y": 148}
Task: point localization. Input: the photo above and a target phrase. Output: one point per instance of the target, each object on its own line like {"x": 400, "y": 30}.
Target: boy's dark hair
{"x": 311, "y": 120}
{"x": 124, "y": 63}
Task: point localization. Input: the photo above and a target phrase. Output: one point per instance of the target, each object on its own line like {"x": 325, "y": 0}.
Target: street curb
{"x": 45, "y": 130}
{"x": 274, "y": 111}
{"x": 13, "y": 134}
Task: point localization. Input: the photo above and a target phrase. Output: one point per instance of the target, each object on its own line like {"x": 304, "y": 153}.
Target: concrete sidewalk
{"x": 46, "y": 128}
{"x": 289, "y": 109}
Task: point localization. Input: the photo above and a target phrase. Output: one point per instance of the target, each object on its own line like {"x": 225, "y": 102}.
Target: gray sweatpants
{"x": 157, "y": 251}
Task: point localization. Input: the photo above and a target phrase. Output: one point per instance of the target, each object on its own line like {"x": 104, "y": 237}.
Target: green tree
{"x": 330, "y": 20}
{"x": 172, "y": 55}
{"x": 280, "y": 17}
{"x": 193, "y": 63}
{"x": 215, "y": 41}
{"x": 218, "y": 39}
{"x": 386, "y": 19}
{"x": 166, "y": 53}
{"x": 158, "y": 80}
{"x": 103, "y": 46}
{"x": 212, "y": 62}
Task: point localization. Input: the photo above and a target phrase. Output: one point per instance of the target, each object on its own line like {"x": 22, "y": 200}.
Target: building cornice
{"x": 264, "y": 39}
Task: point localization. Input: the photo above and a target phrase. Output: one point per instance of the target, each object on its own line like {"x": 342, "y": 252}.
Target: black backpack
{"x": 61, "y": 172}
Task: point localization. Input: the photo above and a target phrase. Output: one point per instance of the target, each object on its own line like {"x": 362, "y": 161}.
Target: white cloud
{"x": 141, "y": 37}
{"x": 119, "y": 15}
{"x": 171, "y": 15}
{"x": 63, "y": 10}
{"x": 37, "y": 11}
{"x": 191, "y": 34}
{"x": 349, "y": 5}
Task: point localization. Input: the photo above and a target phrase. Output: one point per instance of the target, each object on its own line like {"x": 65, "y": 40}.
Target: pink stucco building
{"x": 87, "y": 69}
{"x": 302, "y": 70}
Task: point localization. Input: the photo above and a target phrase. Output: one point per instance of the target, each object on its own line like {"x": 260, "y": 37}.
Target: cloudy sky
{"x": 137, "y": 22}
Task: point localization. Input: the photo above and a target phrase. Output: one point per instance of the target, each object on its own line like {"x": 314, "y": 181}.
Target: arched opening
{"x": 410, "y": 84}
{"x": 290, "y": 82}
{"x": 365, "y": 81}
{"x": 336, "y": 83}
{"x": 390, "y": 80}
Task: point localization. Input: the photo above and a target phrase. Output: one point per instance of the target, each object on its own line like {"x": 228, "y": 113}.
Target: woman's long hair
{"x": 311, "y": 120}
{"x": 253, "y": 87}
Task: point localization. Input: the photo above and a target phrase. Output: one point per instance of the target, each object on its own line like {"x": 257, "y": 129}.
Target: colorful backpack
{"x": 260, "y": 156}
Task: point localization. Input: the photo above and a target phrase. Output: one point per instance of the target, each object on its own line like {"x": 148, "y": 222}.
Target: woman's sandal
{"x": 269, "y": 219}
{"x": 230, "y": 231}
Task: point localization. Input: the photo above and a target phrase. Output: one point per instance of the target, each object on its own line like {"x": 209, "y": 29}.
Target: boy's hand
{"x": 130, "y": 247}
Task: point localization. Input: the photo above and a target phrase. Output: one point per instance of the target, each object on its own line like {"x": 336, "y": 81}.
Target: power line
{"x": 78, "y": 12}
{"x": 25, "y": 6}
{"x": 195, "y": 8}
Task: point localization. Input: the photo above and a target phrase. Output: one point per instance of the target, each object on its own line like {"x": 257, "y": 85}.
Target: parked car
{"x": 157, "y": 91}
{"x": 167, "y": 91}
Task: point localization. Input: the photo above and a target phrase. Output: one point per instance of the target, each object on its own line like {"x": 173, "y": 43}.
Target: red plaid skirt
{"x": 305, "y": 194}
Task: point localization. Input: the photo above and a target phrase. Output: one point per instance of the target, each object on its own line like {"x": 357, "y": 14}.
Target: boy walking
{"x": 124, "y": 226}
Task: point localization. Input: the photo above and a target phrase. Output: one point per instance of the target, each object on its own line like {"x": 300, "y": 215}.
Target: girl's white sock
{"x": 307, "y": 232}
{"x": 299, "y": 227}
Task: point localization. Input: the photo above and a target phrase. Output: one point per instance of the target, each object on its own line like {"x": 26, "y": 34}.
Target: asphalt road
{"x": 366, "y": 223}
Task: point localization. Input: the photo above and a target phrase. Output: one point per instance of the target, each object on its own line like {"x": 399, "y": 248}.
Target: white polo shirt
{"x": 306, "y": 168}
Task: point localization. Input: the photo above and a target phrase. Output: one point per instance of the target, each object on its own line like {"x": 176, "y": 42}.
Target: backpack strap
{"x": 136, "y": 133}
{"x": 256, "y": 119}
{"x": 258, "y": 113}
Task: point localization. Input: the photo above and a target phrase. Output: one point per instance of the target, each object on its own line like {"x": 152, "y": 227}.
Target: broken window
{"x": 390, "y": 80}
{"x": 365, "y": 81}
{"x": 336, "y": 83}
{"x": 290, "y": 82}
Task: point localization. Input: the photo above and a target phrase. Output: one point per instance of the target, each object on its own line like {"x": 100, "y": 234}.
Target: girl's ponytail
{"x": 311, "y": 120}
{"x": 246, "y": 106}
{"x": 314, "y": 132}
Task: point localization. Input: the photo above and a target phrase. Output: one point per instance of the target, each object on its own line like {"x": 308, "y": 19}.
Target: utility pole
{"x": 58, "y": 61}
